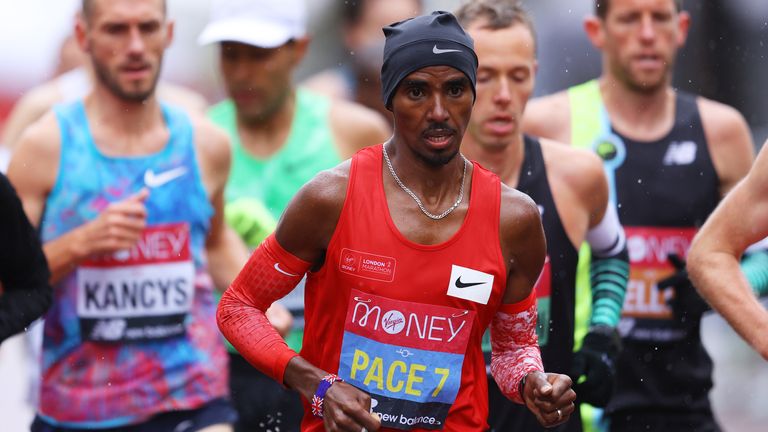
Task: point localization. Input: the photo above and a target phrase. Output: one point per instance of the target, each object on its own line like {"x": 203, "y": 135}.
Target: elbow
{"x": 224, "y": 312}
{"x": 695, "y": 264}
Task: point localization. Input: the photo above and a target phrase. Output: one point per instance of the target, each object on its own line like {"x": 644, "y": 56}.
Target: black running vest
{"x": 665, "y": 190}
{"x": 556, "y": 297}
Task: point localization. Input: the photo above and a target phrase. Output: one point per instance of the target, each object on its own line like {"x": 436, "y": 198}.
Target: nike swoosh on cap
{"x": 152, "y": 179}
{"x": 460, "y": 284}
{"x": 436, "y": 50}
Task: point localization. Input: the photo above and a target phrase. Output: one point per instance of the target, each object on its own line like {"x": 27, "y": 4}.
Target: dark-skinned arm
{"x": 516, "y": 360}
{"x": 301, "y": 239}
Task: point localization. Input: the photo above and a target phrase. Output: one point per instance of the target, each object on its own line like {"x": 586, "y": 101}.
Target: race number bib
{"x": 646, "y": 314}
{"x": 140, "y": 294}
{"x": 407, "y": 356}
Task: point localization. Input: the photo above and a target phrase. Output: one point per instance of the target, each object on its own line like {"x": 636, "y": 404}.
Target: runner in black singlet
{"x": 669, "y": 157}
{"x": 571, "y": 192}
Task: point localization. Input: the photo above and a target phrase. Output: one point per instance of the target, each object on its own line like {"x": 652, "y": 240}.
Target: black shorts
{"x": 262, "y": 403}
{"x": 217, "y": 411}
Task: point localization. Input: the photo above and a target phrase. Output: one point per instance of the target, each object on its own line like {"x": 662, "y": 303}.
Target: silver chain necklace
{"x": 418, "y": 201}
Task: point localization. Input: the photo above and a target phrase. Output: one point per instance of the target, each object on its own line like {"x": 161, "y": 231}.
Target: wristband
{"x": 322, "y": 388}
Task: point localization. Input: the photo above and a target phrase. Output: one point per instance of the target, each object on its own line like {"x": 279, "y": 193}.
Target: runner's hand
{"x": 118, "y": 227}
{"x": 346, "y": 408}
{"x": 687, "y": 305}
{"x": 596, "y": 361}
{"x": 549, "y": 397}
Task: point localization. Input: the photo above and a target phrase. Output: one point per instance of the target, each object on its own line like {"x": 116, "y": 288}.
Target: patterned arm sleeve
{"x": 270, "y": 274}
{"x": 515, "y": 346}
{"x": 609, "y": 269}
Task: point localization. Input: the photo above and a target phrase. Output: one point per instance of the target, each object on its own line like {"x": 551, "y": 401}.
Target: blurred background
{"x": 725, "y": 59}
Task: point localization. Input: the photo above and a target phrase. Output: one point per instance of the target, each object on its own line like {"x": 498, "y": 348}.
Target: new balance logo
{"x": 109, "y": 329}
{"x": 153, "y": 180}
{"x": 680, "y": 153}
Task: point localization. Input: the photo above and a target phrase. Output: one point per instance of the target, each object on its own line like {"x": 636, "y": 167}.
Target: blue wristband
{"x": 322, "y": 389}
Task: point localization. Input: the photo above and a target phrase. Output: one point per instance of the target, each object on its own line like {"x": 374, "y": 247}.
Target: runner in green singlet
{"x": 282, "y": 136}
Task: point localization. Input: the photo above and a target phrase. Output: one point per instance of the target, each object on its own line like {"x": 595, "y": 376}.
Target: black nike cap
{"x": 436, "y": 39}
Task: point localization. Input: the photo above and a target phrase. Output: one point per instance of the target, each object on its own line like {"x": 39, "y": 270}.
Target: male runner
{"x": 412, "y": 251}
{"x": 128, "y": 195}
{"x": 571, "y": 192}
{"x": 74, "y": 84}
{"x": 669, "y": 157}
{"x": 25, "y": 293}
{"x": 357, "y": 78}
{"x": 740, "y": 220}
{"x": 281, "y": 137}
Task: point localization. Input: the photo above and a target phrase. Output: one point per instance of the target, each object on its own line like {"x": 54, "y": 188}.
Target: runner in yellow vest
{"x": 669, "y": 156}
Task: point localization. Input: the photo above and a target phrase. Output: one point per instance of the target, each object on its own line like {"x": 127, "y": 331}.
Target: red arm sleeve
{"x": 515, "y": 346}
{"x": 270, "y": 274}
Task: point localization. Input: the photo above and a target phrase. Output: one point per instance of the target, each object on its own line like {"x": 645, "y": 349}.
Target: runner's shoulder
{"x": 721, "y": 122}
{"x": 310, "y": 219}
{"x": 518, "y": 210}
{"x": 577, "y": 167}
{"x": 328, "y": 188}
{"x": 42, "y": 136}
{"x": 355, "y": 126}
{"x": 545, "y": 116}
{"x": 211, "y": 142}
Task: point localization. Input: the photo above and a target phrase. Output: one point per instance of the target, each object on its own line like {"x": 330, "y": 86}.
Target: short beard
{"x": 638, "y": 86}
{"x": 269, "y": 111}
{"x": 103, "y": 75}
{"x": 437, "y": 160}
{"x": 644, "y": 88}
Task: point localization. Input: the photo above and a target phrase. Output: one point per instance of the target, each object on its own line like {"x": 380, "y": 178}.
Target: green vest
{"x": 308, "y": 150}
{"x": 589, "y": 121}
{"x": 259, "y": 190}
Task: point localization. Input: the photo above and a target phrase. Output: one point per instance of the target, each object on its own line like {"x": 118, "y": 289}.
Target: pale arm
{"x": 713, "y": 261}
{"x": 729, "y": 142}
{"x": 33, "y": 171}
{"x": 355, "y": 127}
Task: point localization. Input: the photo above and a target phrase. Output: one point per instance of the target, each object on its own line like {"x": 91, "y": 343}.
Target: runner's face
{"x": 258, "y": 79}
{"x": 641, "y": 41}
{"x": 431, "y": 109}
{"x": 126, "y": 40}
{"x": 505, "y": 80}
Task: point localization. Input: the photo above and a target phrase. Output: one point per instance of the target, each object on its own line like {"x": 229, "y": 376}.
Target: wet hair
{"x": 352, "y": 10}
{"x": 87, "y": 8}
{"x": 601, "y": 7}
{"x": 497, "y": 14}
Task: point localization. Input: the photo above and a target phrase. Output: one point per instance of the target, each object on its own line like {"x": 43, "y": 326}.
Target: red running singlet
{"x": 403, "y": 321}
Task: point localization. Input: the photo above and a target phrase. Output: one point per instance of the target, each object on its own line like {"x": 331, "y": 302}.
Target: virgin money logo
{"x": 651, "y": 246}
{"x": 393, "y": 322}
